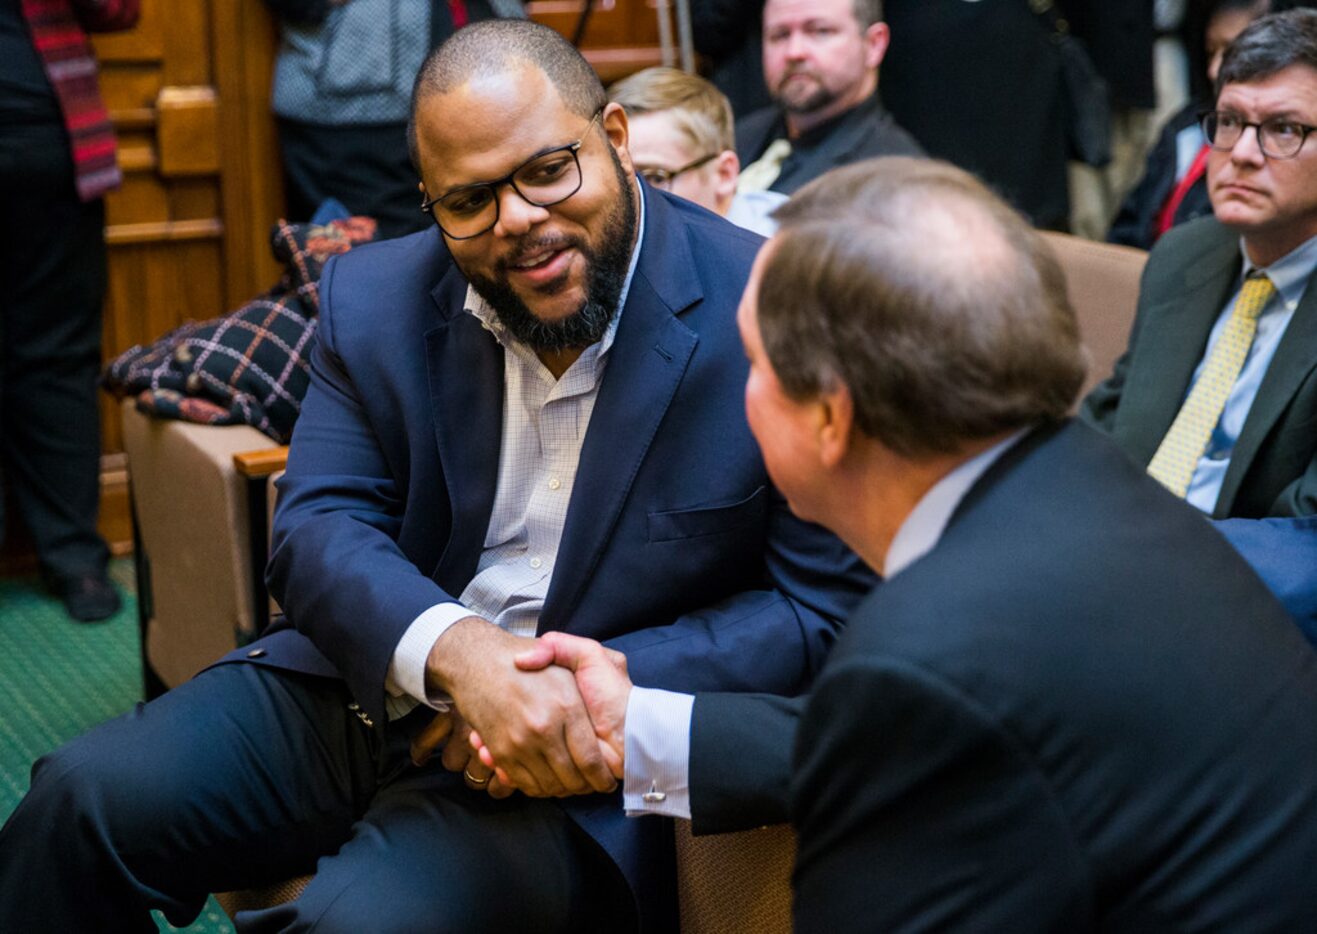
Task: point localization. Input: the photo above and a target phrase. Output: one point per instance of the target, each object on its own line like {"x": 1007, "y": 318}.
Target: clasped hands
{"x": 543, "y": 716}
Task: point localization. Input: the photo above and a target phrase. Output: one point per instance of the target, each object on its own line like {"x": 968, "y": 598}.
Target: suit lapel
{"x": 1171, "y": 344}
{"x": 465, "y": 366}
{"x": 1295, "y": 358}
{"x": 645, "y": 367}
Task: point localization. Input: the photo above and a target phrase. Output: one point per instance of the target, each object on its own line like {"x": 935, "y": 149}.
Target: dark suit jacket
{"x": 676, "y": 549}
{"x": 1080, "y": 711}
{"x": 864, "y": 132}
{"x": 1189, "y": 277}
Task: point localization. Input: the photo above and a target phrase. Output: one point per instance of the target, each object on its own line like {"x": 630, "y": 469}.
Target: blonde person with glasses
{"x": 682, "y": 141}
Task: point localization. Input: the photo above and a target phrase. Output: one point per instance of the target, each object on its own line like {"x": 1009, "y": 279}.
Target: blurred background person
{"x": 342, "y": 91}
{"x": 978, "y": 84}
{"x": 57, "y": 160}
{"x": 821, "y": 60}
{"x": 728, "y": 34}
{"x": 1174, "y": 184}
{"x": 681, "y": 140}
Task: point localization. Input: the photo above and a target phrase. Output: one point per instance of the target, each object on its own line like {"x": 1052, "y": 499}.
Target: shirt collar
{"x": 862, "y": 113}
{"x": 476, "y": 305}
{"x": 1289, "y": 274}
{"x": 922, "y": 529}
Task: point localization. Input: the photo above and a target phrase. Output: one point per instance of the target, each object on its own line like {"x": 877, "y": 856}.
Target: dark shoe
{"x": 88, "y": 598}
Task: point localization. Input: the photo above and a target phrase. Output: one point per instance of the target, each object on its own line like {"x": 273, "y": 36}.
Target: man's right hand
{"x": 601, "y": 678}
{"x": 533, "y": 723}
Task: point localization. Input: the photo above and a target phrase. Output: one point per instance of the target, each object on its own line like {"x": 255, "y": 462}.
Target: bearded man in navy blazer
{"x": 525, "y": 419}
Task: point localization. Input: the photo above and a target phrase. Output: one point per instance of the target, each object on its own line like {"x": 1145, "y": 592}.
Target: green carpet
{"x": 59, "y": 678}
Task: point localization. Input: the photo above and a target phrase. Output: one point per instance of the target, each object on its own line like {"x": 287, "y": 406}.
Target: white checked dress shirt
{"x": 544, "y": 426}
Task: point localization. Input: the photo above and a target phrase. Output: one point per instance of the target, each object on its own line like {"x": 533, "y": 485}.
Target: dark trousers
{"x": 52, "y": 286}
{"x": 367, "y": 168}
{"x": 247, "y": 775}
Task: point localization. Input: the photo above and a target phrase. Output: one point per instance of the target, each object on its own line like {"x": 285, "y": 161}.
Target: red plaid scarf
{"x": 57, "y": 31}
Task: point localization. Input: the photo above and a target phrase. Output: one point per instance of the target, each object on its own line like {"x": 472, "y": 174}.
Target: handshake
{"x": 542, "y": 716}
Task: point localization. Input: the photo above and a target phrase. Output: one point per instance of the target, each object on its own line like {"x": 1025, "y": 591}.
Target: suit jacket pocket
{"x": 676, "y": 524}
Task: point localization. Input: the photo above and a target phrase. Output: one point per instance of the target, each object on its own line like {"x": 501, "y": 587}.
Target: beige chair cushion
{"x": 266, "y": 897}
{"x": 1103, "y": 282}
{"x": 735, "y": 883}
{"x": 191, "y": 509}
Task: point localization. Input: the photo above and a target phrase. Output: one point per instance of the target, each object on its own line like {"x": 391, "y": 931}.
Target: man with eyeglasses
{"x": 527, "y": 418}
{"x": 680, "y": 139}
{"x": 1217, "y": 393}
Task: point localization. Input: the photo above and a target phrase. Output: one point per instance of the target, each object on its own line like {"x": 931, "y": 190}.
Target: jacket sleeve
{"x": 740, "y": 760}
{"x": 1299, "y": 498}
{"x": 916, "y": 811}
{"x": 335, "y": 564}
{"x": 106, "y": 15}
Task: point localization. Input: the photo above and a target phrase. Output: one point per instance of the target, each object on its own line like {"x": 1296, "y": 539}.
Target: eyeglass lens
{"x": 1280, "y": 139}
{"x": 543, "y": 181}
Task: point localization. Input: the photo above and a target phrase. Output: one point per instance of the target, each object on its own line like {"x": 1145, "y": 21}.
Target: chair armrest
{"x": 257, "y": 464}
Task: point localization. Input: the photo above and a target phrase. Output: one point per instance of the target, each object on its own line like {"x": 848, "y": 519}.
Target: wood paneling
{"x": 621, "y": 37}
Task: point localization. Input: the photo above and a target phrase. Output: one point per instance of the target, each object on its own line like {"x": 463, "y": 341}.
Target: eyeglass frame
{"x": 667, "y": 176}
{"x": 1207, "y": 115}
{"x": 427, "y": 207}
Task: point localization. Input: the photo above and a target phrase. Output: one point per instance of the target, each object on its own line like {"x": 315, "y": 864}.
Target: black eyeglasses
{"x": 1278, "y": 138}
{"x": 662, "y": 178}
{"x": 545, "y": 179}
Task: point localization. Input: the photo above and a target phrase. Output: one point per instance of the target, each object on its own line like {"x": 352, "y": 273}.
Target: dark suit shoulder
{"x": 1130, "y": 655}
{"x": 753, "y": 132}
{"x": 1190, "y": 241}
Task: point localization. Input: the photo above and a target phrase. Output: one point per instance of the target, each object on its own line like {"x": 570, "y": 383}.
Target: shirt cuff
{"x": 406, "y": 673}
{"x": 657, "y": 764}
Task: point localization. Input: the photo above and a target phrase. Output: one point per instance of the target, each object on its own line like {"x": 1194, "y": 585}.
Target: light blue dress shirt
{"x": 1290, "y": 276}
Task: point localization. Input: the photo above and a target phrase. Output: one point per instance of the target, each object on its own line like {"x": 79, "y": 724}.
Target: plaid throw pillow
{"x": 249, "y": 366}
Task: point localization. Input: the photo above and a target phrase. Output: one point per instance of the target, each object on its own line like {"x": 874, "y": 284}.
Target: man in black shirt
{"x": 821, "y": 61}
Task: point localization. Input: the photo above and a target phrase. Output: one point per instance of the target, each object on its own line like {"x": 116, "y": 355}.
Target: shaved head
{"x": 498, "y": 46}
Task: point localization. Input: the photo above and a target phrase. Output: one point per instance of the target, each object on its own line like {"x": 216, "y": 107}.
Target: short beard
{"x": 606, "y": 270}
{"x": 816, "y": 100}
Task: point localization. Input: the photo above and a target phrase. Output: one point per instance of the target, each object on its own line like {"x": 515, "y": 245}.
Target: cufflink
{"x": 653, "y": 796}
{"x": 361, "y": 715}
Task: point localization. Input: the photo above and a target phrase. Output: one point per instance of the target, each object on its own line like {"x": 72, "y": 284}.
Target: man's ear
{"x": 615, "y": 126}
{"x": 836, "y": 421}
{"x": 726, "y": 167}
{"x": 876, "y": 39}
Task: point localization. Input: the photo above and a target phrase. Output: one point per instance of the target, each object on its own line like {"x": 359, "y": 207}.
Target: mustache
{"x": 532, "y": 244}
{"x": 793, "y": 70}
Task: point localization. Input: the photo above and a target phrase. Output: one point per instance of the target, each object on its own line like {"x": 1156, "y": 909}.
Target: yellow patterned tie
{"x": 1177, "y": 457}
{"x": 760, "y": 174}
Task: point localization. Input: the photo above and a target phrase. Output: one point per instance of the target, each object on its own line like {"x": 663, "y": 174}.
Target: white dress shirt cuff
{"x": 657, "y": 767}
{"x": 407, "y": 667}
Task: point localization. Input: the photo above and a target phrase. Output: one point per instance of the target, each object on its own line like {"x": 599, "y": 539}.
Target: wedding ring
{"x": 478, "y": 782}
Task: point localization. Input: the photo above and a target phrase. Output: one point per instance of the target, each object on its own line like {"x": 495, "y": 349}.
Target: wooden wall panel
{"x": 622, "y": 36}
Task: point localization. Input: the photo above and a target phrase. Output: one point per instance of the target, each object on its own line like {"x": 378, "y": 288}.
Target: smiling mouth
{"x": 537, "y": 260}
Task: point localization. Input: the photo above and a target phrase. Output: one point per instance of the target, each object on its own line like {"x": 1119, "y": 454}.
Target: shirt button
{"x": 555, "y": 483}
{"x": 535, "y": 562}
{"x": 256, "y": 653}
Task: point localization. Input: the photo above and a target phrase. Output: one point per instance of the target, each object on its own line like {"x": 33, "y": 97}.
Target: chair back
{"x": 1103, "y": 282}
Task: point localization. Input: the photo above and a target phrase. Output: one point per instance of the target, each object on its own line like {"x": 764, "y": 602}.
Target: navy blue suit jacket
{"x": 676, "y": 550}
